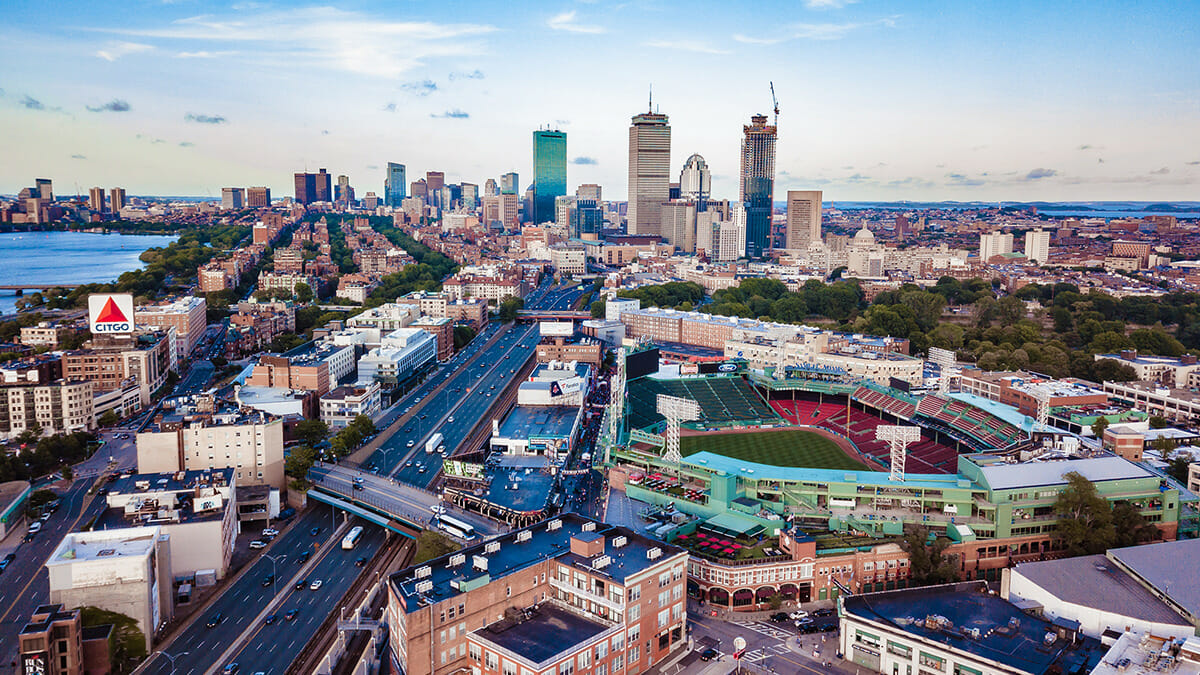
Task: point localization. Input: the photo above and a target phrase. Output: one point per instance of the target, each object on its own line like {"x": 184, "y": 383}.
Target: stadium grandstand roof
{"x": 754, "y": 470}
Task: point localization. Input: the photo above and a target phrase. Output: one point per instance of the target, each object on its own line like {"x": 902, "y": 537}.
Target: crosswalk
{"x": 766, "y": 629}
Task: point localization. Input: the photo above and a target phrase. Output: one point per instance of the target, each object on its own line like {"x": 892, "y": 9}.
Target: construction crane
{"x": 776, "y": 102}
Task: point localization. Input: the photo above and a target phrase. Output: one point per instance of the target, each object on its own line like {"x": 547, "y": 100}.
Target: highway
{"x": 242, "y": 602}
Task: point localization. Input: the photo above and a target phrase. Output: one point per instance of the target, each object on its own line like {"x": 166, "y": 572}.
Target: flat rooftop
{"x": 753, "y": 470}
{"x": 1159, "y": 565}
{"x": 1007, "y": 635}
{"x": 135, "y": 542}
{"x": 539, "y": 421}
{"x": 177, "y": 481}
{"x": 545, "y": 632}
{"x": 1076, "y": 580}
{"x": 519, "y": 489}
{"x": 1134, "y": 653}
{"x": 1003, "y": 476}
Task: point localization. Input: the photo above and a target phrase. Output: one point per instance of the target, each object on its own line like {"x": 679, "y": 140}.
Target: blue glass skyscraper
{"x": 549, "y": 173}
{"x": 395, "y": 185}
{"x": 758, "y": 183}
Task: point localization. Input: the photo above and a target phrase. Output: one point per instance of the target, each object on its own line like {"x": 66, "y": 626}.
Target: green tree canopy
{"x": 1085, "y": 520}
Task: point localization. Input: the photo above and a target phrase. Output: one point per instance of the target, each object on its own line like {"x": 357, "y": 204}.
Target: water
{"x": 50, "y": 258}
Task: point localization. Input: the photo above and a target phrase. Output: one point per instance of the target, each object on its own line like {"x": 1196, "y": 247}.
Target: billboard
{"x": 34, "y": 663}
{"x": 110, "y": 313}
{"x": 209, "y": 503}
{"x": 556, "y": 328}
{"x": 641, "y": 363}
{"x": 713, "y": 367}
{"x": 460, "y": 469}
{"x": 689, "y": 369}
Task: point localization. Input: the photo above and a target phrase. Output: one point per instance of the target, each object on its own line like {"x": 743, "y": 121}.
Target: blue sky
{"x": 879, "y": 99}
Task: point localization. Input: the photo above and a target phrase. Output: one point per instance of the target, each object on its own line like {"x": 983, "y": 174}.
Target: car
{"x": 215, "y": 620}
{"x": 805, "y": 621}
{"x": 299, "y": 585}
{"x": 408, "y": 463}
{"x": 304, "y": 557}
{"x": 271, "y": 618}
{"x": 315, "y": 531}
{"x": 780, "y": 617}
{"x": 286, "y": 513}
{"x": 258, "y": 543}
{"x": 451, "y": 419}
{"x": 230, "y": 668}
{"x": 101, "y": 492}
{"x": 291, "y": 614}
{"x": 270, "y": 532}
{"x": 709, "y": 654}
{"x": 358, "y": 486}
{"x": 268, "y": 580}
{"x": 421, "y": 469}
{"x": 45, "y": 516}
{"x": 410, "y": 444}
{"x": 361, "y": 562}
{"x": 3, "y": 565}
{"x": 829, "y": 628}
{"x": 9, "y": 558}
{"x": 824, "y": 611}
{"x": 798, "y": 614}
{"x": 315, "y": 586}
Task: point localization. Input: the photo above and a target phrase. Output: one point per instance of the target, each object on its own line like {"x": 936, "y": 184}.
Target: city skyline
{"x": 918, "y": 101}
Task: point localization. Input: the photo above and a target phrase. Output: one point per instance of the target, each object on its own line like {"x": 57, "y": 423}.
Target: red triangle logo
{"x": 111, "y": 313}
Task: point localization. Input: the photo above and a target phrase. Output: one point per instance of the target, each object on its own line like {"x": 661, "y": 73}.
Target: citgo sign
{"x": 110, "y": 313}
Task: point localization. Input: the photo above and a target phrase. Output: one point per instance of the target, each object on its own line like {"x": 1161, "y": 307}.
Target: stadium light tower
{"x": 676, "y": 410}
{"x": 898, "y": 437}
{"x": 616, "y": 404}
{"x": 1043, "y": 405}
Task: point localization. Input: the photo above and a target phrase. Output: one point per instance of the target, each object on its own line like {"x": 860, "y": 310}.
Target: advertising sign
{"x": 110, "y": 313}
{"x": 209, "y": 503}
{"x": 556, "y": 328}
{"x": 34, "y": 664}
{"x": 460, "y": 469}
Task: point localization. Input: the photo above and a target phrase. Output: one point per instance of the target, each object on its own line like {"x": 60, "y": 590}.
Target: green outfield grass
{"x": 790, "y": 447}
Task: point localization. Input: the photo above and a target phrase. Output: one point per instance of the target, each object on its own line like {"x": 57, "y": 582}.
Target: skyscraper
{"x": 695, "y": 181}
{"x": 510, "y": 183}
{"x": 343, "y": 192}
{"x": 96, "y": 199}
{"x": 758, "y": 183}
{"x": 394, "y": 185}
{"x": 258, "y": 197}
{"x": 233, "y": 198}
{"x": 649, "y": 172}
{"x": 490, "y": 188}
{"x": 306, "y": 188}
{"x": 45, "y": 188}
{"x": 587, "y": 220}
{"x": 434, "y": 182}
{"x": 1037, "y": 246}
{"x": 993, "y": 244}
{"x": 803, "y": 218}
{"x": 117, "y": 200}
{"x": 324, "y": 186}
{"x": 588, "y": 191}
{"x": 549, "y": 172}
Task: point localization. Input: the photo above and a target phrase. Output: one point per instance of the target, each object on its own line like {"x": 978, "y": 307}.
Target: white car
{"x": 258, "y": 544}
{"x": 451, "y": 419}
{"x": 270, "y": 532}
{"x": 798, "y": 614}
{"x": 315, "y": 586}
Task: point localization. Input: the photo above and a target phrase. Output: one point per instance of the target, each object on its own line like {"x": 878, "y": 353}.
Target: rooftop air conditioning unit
{"x": 458, "y": 559}
{"x": 424, "y": 586}
{"x": 491, "y": 547}
{"x": 479, "y": 562}
{"x": 654, "y": 553}
{"x": 423, "y": 571}
{"x": 589, "y": 527}
{"x": 524, "y": 535}
{"x": 620, "y": 541}
{"x": 553, "y": 525}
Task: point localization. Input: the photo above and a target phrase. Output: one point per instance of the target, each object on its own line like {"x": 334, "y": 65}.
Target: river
{"x": 51, "y": 258}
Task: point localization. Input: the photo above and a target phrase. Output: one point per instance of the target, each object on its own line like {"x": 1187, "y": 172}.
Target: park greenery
{"x": 509, "y": 307}
{"x": 312, "y": 434}
{"x": 41, "y": 455}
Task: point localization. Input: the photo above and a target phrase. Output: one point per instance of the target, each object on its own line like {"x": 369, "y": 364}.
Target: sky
{"x": 879, "y": 99}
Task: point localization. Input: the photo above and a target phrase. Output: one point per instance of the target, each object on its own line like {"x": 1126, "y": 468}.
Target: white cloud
{"x": 202, "y": 54}
{"x": 324, "y": 37}
{"x": 687, "y": 46}
{"x": 566, "y": 21}
{"x": 828, "y": 4}
{"x": 815, "y": 31}
{"x": 116, "y": 50}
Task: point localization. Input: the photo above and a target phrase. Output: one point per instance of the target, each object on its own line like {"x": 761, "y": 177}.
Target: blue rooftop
{"x": 1005, "y": 412}
{"x": 754, "y": 470}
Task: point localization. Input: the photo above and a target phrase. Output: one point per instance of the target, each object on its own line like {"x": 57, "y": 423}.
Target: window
{"x": 566, "y": 667}
{"x": 635, "y": 653}
{"x": 510, "y": 668}
{"x": 664, "y": 618}
{"x": 635, "y": 633}
{"x": 931, "y": 661}
{"x": 474, "y": 652}
{"x": 584, "y": 659}
{"x": 635, "y": 593}
{"x": 601, "y": 650}
{"x": 635, "y": 611}
{"x": 601, "y": 669}
{"x": 489, "y": 660}
{"x": 618, "y": 643}
{"x": 618, "y": 661}
{"x": 900, "y": 650}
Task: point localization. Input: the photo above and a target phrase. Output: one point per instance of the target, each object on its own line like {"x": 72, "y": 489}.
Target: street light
{"x": 170, "y": 658}
{"x": 274, "y": 578}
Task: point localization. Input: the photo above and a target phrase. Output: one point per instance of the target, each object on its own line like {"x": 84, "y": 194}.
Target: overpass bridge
{"x": 36, "y": 287}
{"x": 395, "y": 506}
{"x": 553, "y": 315}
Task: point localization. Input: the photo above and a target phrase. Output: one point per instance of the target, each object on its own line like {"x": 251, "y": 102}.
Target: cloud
{"x": 204, "y": 119}
{"x": 1039, "y": 173}
{"x": 561, "y": 123}
{"x": 455, "y": 114}
{"x": 324, "y": 132}
{"x": 828, "y": 4}
{"x": 373, "y": 167}
{"x": 31, "y": 103}
{"x": 78, "y": 157}
{"x": 1193, "y": 163}
{"x": 858, "y": 178}
{"x": 325, "y": 38}
{"x": 584, "y": 160}
{"x": 687, "y": 46}
{"x": 419, "y": 87}
{"x": 1160, "y": 172}
{"x": 389, "y": 107}
{"x": 566, "y": 21}
{"x": 116, "y": 50}
{"x": 911, "y": 182}
{"x": 961, "y": 180}
{"x": 202, "y": 54}
{"x": 115, "y": 105}
{"x": 472, "y": 75}
{"x": 815, "y": 31}
{"x": 186, "y": 144}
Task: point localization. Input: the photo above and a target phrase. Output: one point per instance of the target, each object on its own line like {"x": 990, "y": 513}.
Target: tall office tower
{"x": 803, "y": 218}
{"x": 324, "y": 186}
{"x": 45, "y": 189}
{"x": 901, "y": 227}
{"x": 758, "y": 183}
{"x": 1037, "y": 246}
{"x": 490, "y": 188}
{"x": 233, "y": 198}
{"x": 434, "y": 182}
{"x": 394, "y": 184}
{"x": 587, "y": 220}
{"x": 679, "y": 224}
{"x": 649, "y": 172}
{"x": 995, "y": 243}
{"x": 343, "y": 193}
{"x": 509, "y": 183}
{"x": 116, "y": 200}
{"x": 258, "y": 197}
{"x": 588, "y": 191}
{"x": 470, "y": 195}
{"x": 562, "y": 209}
{"x": 695, "y": 181}
{"x": 527, "y": 205}
{"x": 306, "y": 188}
{"x": 96, "y": 199}
{"x": 418, "y": 188}
{"x": 549, "y": 172}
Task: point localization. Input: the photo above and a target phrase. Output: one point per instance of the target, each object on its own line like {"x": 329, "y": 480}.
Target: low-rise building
{"x": 340, "y": 406}
{"x": 400, "y": 354}
{"x": 62, "y": 406}
{"x": 318, "y": 367}
{"x": 585, "y": 350}
{"x": 387, "y": 317}
{"x": 111, "y": 362}
{"x": 569, "y": 258}
{"x": 51, "y": 643}
{"x": 441, "y": 328}
{"x": 187, "y": 315}
{"x": 127, "y": 571}
{"x": 1153, "y": 398}
{"x": 46, "y": 334}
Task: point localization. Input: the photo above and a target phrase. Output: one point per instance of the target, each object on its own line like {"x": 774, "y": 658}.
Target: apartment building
{"x": 340, "y": 406}
{"x": 46, "y": 334}
{"x": 62, "y": 406}
{"x": 317, "y": 368}
{"x": 187, "y": 315}
{"x": 111, "y": 362}
{"x": 51, "y": 642}
{"x": 442, "y": 328}
{"x": 591, "y": 593}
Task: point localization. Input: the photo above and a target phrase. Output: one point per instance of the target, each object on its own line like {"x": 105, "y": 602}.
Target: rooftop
{"x": 1003, "y": 411}
{"x": 521, "y": 489}
{"x": 1076, "y": 581}
{"x": 1158, "y": 565}
{"x": 133, "y": 542}
{"x": 1004, "y": 476}
{"x": 1134, "y": 653}
{"x": 949, "y": 615}
{"x": 751, "y": 470}
{"x": 526, "y": 422}
{"x": 542, "y": 632}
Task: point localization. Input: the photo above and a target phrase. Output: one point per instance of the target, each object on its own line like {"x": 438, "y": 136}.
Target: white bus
{"x": 456, "y": 527}
{"x": 351, "y": 539}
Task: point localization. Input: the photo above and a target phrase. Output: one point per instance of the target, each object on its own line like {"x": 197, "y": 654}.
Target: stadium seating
{"x": 723, "y": 400}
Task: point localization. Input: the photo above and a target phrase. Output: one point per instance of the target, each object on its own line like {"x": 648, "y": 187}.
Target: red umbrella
{"x": 682, "y": 536}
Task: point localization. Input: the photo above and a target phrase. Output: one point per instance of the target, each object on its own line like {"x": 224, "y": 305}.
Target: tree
{"x": 928, "y": 563}
{"x": 299, "y": 461}
{"x": 108, "y": 419}
{"x": 1131, "y": 526}
{"x": 126, "y": 643}
{"x": 1177, "y": 466}
{"x": 304, "y": 293}
{"x": 1085, "y": 519}
{"x": 311, "y": 432}
{"x": 1159, "y": 422}
{"x": 1099, "y": 426}
{"x": 463, "y": 336}
{"x": 509, "y": 308}
{"x": 597, "y": 309}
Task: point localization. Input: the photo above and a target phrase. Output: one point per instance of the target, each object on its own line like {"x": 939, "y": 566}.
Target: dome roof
{"x": 864, "y": 236}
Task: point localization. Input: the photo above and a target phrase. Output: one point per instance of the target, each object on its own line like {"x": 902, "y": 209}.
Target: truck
{"x": 434, "y": 442}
